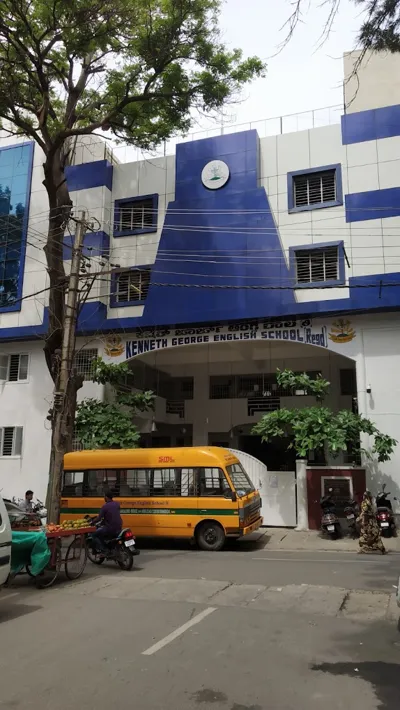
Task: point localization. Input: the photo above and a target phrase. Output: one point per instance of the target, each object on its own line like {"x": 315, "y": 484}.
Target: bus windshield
{"x": 241, "y": 481}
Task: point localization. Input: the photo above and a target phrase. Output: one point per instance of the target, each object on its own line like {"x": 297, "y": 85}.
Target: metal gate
{"x": 277, "y": 491}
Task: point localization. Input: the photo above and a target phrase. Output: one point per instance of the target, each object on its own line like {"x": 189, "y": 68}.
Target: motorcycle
{"x": 384, "y": 513}
{"x": 351, "y": 512}
{"x": 330, "y": 523}
{"x": 121, "y": 549}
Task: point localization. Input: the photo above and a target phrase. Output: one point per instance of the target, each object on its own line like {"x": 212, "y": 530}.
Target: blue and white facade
{"x": 214, "y": 266}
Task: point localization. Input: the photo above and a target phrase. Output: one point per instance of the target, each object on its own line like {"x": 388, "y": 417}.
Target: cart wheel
{"x": 50, "y": 573}
{"x": 75, "y": 559}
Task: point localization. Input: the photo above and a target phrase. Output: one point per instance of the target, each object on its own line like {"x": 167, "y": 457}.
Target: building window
{"x": 15, "y": 178}
{"x": 14, "y": 368}
{"x": 315, "y": 188}
{"x": 136, "y": 215}
{"x": 317, "y": 265}
{"x": 132, "y": 287}
{"x": 313, "y": 265}
{"x": 11, "y": 441}
{"x": 84, "y": 362}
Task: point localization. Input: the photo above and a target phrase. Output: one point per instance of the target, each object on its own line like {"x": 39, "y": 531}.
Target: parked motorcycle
{"x": 330, "y": 523}
{"x": 384, "y": 513}
{"x": 121, "y": 549}
{"x": 352, "y": 511}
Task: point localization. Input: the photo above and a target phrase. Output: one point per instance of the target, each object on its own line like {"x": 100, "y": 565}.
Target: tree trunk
{"x": 63, "y": 410}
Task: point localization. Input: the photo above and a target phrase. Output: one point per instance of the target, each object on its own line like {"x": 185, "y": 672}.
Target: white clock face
{"x": 215, "y": 174}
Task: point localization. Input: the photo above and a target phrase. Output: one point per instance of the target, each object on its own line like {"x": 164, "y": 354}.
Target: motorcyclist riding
{"x": 110, "y": 517}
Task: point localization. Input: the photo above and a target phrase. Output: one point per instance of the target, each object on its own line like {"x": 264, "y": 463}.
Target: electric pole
{"x": 65, "y": 387}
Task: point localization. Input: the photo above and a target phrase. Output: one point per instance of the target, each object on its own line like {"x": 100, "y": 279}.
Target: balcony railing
{"x": 290, "y": 123}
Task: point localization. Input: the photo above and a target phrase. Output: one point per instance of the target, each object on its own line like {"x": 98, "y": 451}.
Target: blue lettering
{"x": 292, "y": 334}
{"x": 285, "y": 335}
{"x": 128, "y": 350}
{"x": 278, "y": 335}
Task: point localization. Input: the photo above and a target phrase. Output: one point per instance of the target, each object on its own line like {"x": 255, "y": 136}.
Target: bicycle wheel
{"x": 75, "y": 559}
{"x": 50, "y": 573}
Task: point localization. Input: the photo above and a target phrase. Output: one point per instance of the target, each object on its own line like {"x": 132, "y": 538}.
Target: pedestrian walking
{"x": 370, "y": 536}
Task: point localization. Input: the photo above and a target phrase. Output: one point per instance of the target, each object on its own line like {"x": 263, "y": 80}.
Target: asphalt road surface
{"x": 245, "y": 629}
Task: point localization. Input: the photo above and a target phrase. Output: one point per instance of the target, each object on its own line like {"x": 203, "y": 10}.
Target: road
{"x": 245, "y": 629}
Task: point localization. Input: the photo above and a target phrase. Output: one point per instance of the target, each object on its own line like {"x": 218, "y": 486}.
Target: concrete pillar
{"x": 302, "y": 498}
{"x": 200, "y": 418}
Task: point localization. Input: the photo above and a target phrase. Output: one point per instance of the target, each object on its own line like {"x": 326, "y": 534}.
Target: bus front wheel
{"x": 210, "y": 536}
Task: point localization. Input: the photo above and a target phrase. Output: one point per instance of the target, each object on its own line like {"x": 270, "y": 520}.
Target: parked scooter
{"x": 330, "y": 523}
{"x": 384, "y": 513}
{"x": 352, "y": 511}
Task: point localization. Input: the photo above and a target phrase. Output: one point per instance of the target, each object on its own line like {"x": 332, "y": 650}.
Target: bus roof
{"x": 213, "y": 456}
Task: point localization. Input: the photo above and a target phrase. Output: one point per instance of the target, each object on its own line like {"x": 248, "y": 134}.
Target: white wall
{"x": 373, "y": 83}
{"x": 27, "y": 404}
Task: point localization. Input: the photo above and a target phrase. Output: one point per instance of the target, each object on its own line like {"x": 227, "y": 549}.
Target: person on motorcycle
{"x": 110, "y": 517}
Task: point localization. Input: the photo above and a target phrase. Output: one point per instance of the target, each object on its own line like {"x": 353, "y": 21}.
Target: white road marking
{"x": 301, "y": 560}
{"x": 178, "y": 632}
{"x": 8, "y": 596}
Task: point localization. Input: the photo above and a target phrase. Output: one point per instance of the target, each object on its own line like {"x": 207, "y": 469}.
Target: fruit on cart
{"x": 51, "y": 527}
{"x": 74, "y": 524}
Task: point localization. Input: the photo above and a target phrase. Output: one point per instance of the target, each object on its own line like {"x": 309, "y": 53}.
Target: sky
{"x": 303, "y": 76}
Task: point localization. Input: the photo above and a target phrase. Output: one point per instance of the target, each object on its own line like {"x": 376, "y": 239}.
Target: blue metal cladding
{"x": 370, "y": 125}
{"x": 15, "y": 187}
{"x": 224, "y": 237}
{"x": 373, "y": 204}
{"x": 88, "y": 175}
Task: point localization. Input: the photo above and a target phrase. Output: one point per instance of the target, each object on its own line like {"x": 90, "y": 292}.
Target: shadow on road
{"x": 15, "y": 611}
{"x": 384, "y": 677}
{"x": 241, "y": 545}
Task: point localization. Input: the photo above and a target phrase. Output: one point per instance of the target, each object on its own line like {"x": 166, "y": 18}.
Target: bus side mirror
{"x": 233, "y": 496}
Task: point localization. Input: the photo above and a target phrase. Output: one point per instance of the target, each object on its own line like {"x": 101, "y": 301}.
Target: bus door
{"x": 215, "y": 498}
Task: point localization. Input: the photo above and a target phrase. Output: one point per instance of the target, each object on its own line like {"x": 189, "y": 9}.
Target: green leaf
{"x": 318, "y": 428}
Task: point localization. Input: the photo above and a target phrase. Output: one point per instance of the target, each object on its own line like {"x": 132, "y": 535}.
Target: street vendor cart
{"x": 46, "y": 551}
{"x": 68, "y": 553}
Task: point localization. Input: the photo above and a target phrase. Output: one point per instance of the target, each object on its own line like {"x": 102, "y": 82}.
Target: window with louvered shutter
{"x": 14, "y": 368}
{"x": 133, "y": 285}
{"x": 314, "y": 188}
{"x": 136, "y": 215}
{"x": 17, "y": 368}
{"x": 317, "y": 265}
{"x": 11, "y": 441}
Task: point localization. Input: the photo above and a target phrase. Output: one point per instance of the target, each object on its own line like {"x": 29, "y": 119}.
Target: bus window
{"x": 166, "y": 482}
{"x": 213, "y": 482}
{"x": 99, "y": 480}
{"x": 73, "y": 484}
{"x": 188, "y": 482}
{"x": 241, "y": 482}
{"x": 138, "y": 482}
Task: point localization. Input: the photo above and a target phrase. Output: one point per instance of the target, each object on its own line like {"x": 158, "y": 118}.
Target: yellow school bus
{"x": 195, "y": 492}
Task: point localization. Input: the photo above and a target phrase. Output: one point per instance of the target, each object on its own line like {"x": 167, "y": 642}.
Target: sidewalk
{"x": 288, "y": 540}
